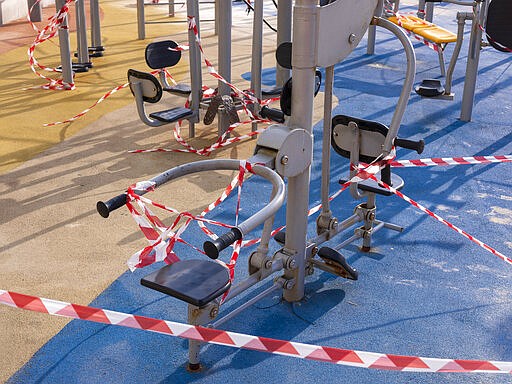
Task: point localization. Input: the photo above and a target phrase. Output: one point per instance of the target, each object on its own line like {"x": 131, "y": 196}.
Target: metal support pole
{"x": 284, "y": 34}
{"x": 216, "y": 30}
{"x": 224, "y": 55}
{"x": 196, "y": 78}
{"x": 95, "y": 24}
{"x": 257, "y": 52}
{"x": 326, "y": 146}
{"x": 141, "y": 27}
{"x": 429, "y": 12}
{"x": 35, "y": 10}
{"x": 81, "y": 34}
{"x": 171, "y": 8}
{"x": 64, "y": 44}
{"x": 475, "y": 45}
{"x": 303, "y": 62}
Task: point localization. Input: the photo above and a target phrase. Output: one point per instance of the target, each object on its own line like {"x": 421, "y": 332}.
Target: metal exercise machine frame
{"x": 286, "y": 151}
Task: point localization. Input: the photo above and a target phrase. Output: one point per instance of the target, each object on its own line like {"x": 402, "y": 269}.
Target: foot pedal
{"x": 179, "y": 89}
{"x": 280, "y": 237}
{"x": 172, "y": 115}
{"x": 336, "y": 260}
{"x": 429, "y": 88}
{"x": 271, "y": 92}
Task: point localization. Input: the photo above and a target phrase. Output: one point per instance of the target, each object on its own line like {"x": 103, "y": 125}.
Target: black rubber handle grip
{"x": 272, "y": 114}
{"x": 104, "y": 208}
{"x": 417, "y": 146}
{"x": 212, "y": 248}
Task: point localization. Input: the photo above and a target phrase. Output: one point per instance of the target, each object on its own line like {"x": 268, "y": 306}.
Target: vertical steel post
{"x": 429, "y": 12}
{"x": 141, "y": 22}
{"x": 64, "y": 44}
{"x": 95, "y": 24}
{"x": 224, "y": 55}
{"x": 171, "y": 8}
{"x": 326, "y": 214}
{"x": 196, "y": 79}
{"x": 257, "y": 52}
{"x": 303, "y": 62}
{"x": 284, "y": 34}
{"x": 81, "y": 34}
{"x": 475, "y": 45}
{"x": 35, "y": 10}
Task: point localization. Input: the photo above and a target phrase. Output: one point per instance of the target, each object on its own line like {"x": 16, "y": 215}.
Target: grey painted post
{"x": 171, "y": 8}
{"x": 224, "y": 54}
{"x": 429, "y": 11}
{"x": 303, "y": 62}
{"x": 196, "y": 79}
{"x": 81, "y": 33}
{"x": 65, "y": 55}
{"x": 35, "y": 10}
{"x": 468, "y": 95}
{"x": 257, "y": 52}
{"x": 141, "y": 27}
{"x": 95, "y": 24}
{"x": 284, "y": 34}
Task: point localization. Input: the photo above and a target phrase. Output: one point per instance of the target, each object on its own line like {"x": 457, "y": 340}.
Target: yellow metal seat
{"x": 410, "y": 22}
{"x": 436, "y": 34}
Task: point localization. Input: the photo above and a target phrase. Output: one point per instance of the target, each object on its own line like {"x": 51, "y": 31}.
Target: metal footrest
{"x": 338, "y": 262}
{"x": 179, "y": 89}
{"x": 271, "y": 92}
{"x": 172, "y": 115}
{"x": 196, "y": 282}
{"x": 429, "y": 88}
{"x": 371, "y": 186}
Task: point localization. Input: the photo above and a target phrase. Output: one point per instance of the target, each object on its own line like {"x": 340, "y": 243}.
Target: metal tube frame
{"x": 64, "y": 46}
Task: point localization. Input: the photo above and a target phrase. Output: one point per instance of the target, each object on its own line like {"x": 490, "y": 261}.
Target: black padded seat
{"x": 172, "y": 115}
{"x": 196, "y": 282}
{"x": 429, "y": 88}
{"x": 369, "y": 185}
{"x": 179, "y": 89}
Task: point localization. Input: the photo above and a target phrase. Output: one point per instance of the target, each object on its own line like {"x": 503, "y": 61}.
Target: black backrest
{"x": 158, "y": 55}
{"x": 151, "y": 88}
{"x": 372, "y": 136}
{"x": 498, "y": 26}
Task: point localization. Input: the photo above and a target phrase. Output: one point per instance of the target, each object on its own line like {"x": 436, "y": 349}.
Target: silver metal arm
{"x": 408, "y": 83}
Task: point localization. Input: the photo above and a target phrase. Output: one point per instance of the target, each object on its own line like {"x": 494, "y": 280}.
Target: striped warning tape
{"x": 468, "y": 160}
{"x": 348, "y": 357}
{"x": 106, "y": 95}
{"x": 48, "y": 32}
{"x": 441, "y": 220}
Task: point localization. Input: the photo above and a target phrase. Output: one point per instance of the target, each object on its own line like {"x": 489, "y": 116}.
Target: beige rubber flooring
{"x": 52, "y": 242}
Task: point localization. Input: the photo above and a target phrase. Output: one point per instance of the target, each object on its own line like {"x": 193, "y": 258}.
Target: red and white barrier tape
{"x": 106, "y": 95}
{"x": 43, "y": 35}
{"x": 468, "y": 160}
{"x": 348, "y": 357}
{"x": 441, "y": 220}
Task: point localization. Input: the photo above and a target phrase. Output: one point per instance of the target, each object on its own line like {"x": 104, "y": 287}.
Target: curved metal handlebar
{"x": 212, "y": 248}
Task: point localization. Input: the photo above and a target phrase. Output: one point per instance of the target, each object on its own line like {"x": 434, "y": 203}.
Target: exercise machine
{"x": 284, "y": 152}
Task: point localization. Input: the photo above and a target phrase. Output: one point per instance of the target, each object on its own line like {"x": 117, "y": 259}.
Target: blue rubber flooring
{"x": 424, "y": 292}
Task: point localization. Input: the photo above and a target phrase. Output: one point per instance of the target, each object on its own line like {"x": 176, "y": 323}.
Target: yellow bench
{"x": 438, "y": 36}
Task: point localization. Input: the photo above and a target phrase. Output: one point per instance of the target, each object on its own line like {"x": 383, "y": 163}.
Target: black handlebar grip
{"x": 272, "y": 114}
{"x": 212, "y": 248}
{"x": 104, "y": 208}
{"x": 417, "y": 146}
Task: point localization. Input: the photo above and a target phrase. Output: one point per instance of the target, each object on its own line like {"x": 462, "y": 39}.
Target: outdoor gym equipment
{"x": 285, "y": 151}
{"x": 490, "y": 16}
{"x": 224, "y": 104}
